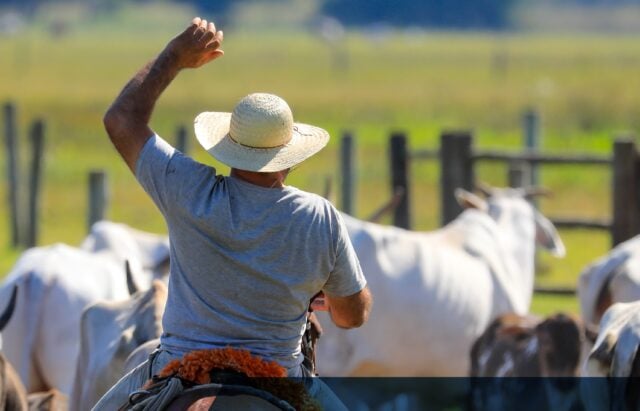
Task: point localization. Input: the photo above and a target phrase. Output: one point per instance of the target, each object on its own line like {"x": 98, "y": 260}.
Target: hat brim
{"x": 212, "y": 132}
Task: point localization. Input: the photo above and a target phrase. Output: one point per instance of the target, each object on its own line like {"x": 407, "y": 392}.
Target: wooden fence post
{"x": 456, "y": 171}
{"x": 626, "y": 186}
{"x": 531, "y": 125}
{"x": 519, "y": 174}
{"x": 98, "y": 196}
{"x": 13, "y": 173}
{"x": 182, "y": 140}
{"x": 399, "y": 160}
{"x": 35, "y": 183}
{"x": 348, "y": 173}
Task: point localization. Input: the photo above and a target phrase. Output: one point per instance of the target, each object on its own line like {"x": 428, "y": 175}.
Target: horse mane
{"x": 197, "y": 368}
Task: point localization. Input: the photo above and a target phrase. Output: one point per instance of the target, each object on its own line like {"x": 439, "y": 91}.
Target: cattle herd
{"x": 448, "y": 303}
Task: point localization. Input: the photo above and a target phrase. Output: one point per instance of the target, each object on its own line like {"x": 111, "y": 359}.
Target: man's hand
{"x": 197, "y": 45}
{"x": 319, "y": 303}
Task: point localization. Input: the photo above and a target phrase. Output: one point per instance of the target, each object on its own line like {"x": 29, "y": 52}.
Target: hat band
{"x": 256, "y": 148}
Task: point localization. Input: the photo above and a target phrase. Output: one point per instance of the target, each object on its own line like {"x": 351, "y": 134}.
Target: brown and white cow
{"x": 522, "y": 347}
{"x": 528, "y": 346}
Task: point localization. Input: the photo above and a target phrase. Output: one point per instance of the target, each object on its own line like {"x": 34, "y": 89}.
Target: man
{"x": 247, "y": 252}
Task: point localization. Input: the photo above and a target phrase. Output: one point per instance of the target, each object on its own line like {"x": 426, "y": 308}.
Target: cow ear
{"x": 132, "y": 286}
{"x": 547, "y": 236}
{"x": 469, "y": 200}
{"x": 6, "y": 314}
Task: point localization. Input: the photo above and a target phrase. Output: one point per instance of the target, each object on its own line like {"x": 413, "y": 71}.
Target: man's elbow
{"x": 353, "y": 322}
{"x": 112, "y": 122}
{"x": 358, "y": 313}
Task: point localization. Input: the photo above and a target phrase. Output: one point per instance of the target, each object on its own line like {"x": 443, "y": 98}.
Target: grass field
{"x": 584, "y": 86}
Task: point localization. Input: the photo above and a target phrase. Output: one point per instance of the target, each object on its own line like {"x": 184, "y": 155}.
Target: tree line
{"x": 428, "y": 13}
{"x": 483, "y": 14}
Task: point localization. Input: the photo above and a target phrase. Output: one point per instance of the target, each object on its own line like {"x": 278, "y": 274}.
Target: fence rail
{"x": 587, "y": 223}
{"x": 531, "y": 157}
{"x": 539, "y": 158}
{"x": 458, "y": 159}
{"x": 456, "y": 155}
{"x": 555, "y": 290}
{"x": 457, "y": 170}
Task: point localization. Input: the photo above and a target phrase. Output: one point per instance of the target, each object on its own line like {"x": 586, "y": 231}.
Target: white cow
{"x": 110, "y": 332}
{"x": 612, "y": 278}
{"x": 13, "y": 395}
{"x": 436, "y": 292}
{"x": 616, "y": 353}
{"x": 126, "y": 243}
{"x": 55, "y": 284}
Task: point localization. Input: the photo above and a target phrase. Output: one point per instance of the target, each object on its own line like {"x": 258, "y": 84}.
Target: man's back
{"x": 246, "y": 259}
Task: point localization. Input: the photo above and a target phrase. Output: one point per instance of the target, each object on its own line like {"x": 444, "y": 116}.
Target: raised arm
{"x": 127, "y": 120}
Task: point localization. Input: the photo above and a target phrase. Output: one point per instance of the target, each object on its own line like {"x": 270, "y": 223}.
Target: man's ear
{"x": 469, "y": 200}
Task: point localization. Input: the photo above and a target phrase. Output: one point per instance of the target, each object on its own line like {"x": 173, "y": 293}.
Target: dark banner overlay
{"x": 490, "y": 394}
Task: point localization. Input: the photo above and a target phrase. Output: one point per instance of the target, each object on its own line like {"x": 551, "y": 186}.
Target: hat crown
{"x": 261, "y": 120}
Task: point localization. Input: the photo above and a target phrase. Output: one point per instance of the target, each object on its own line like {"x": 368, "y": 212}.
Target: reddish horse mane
{"x": 269, "y": 376}
{"x": 197, "y": 365}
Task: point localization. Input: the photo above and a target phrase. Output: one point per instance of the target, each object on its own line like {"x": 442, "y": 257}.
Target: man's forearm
{"x": 138, "y": 98}
{"x": 127, "y": 120}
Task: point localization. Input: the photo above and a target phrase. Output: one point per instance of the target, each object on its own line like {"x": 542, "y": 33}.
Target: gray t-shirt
{"x": 245, "y": 259}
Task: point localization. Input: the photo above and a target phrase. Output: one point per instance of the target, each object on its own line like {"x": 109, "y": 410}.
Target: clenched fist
{"x": 197, "y": 45}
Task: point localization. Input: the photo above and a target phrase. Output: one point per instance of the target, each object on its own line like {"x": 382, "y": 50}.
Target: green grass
{"x": 585, "y": 87}
{"x": 544, "y": 304}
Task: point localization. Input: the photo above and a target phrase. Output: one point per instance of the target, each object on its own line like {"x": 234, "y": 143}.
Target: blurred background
{"x": 365, "y": 67}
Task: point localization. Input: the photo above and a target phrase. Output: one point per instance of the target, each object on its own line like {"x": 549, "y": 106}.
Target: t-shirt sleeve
{"x": 347, "y": 277}
{"x": 169, "y": 177}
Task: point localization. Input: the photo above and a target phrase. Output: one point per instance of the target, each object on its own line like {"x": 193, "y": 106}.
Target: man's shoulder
{"x": 317, "y": 200}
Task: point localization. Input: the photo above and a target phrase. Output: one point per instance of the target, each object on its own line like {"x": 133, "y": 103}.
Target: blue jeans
{"x": 317, "y": 389}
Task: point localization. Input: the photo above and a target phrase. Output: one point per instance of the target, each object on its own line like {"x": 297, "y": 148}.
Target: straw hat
{"x": 259, "y": 135}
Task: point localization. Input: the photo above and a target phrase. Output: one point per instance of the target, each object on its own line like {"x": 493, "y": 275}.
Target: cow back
{"x": 110, "y": 333}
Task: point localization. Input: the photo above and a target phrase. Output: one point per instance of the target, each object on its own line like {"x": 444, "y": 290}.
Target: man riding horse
{"x": 248, "y": 252}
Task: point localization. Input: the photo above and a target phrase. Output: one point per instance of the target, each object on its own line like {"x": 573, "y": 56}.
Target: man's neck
{"x": 268, "y": 180}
